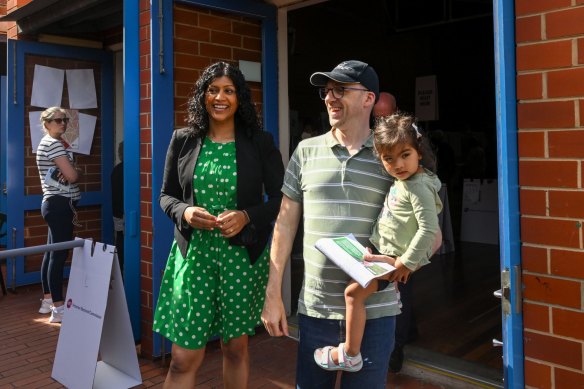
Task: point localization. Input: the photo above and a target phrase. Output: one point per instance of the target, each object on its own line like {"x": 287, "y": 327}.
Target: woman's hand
{"x": 230, "y": 222}
{"x": 198, "y": 217}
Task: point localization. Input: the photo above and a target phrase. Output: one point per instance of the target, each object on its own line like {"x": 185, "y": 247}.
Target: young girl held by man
{"x": 404, "y": 233}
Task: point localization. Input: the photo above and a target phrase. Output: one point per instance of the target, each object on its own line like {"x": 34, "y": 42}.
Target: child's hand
{"x": 378, "y": 258}
{"x": 401, "y": 272}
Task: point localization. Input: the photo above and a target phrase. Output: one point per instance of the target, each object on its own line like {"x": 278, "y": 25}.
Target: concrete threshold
{"x": 451, "y": 372}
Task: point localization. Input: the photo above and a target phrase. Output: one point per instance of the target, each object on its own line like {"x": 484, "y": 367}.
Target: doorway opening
{"x": 455, "y": 315}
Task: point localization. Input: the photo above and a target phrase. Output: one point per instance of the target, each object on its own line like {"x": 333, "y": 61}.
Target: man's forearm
{"x": 282, "y": 241}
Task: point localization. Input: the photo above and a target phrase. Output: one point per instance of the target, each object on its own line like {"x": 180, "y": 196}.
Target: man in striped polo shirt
{"x": 335, "y": 183}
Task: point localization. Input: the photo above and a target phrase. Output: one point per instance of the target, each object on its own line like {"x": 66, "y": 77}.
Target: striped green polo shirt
{"x": 340, "y": 194}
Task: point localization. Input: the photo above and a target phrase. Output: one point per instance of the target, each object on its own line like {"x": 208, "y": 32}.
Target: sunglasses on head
{"x": 59, "y": 120}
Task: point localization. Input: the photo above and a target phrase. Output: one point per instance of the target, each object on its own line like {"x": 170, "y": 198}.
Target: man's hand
{"x": 274, "y": 316}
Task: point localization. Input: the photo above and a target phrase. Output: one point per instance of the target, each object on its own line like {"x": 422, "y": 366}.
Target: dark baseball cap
{"x": 349, "y": 72}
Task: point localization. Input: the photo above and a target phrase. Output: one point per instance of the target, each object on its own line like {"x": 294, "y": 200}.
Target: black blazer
{"x": 259, "y": 168}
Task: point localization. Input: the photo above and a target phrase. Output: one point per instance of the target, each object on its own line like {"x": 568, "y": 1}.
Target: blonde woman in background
{"x": 59, "y": 176}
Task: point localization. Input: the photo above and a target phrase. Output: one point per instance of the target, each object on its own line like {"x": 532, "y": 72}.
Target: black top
{"x": 117, "y": 179}
{"x": 259, "y": 169}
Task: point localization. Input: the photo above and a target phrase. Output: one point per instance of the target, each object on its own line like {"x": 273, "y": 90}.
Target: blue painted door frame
{"x": 162, "y": 107}
{"x": 16, "y": 201}
{"x": 507, "y": 162}
{"x": 3, "y": 166}
{"x": 132, "y": 268}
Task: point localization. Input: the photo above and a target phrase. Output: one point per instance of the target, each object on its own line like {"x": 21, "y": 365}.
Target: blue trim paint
{"x": 106, "y": 106}
{"x": 3, "y": 166}
{"x": 132, "y": 255}
{"x": 32, "y": 202}
{"x": 16, "y": 202}
{"x": 504, "y": 28}
{"x": 270, "y": 75}
{"x": 162, "y": 109}
{"x": 14, "y": 154}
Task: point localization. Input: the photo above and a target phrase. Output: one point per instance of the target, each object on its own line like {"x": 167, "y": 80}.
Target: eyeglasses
{"x": 59, "y": 120}
{"x": 338, "y": 91}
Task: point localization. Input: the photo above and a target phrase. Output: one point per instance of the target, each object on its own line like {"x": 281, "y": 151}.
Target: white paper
{"x": 47, "y": 87}
{"x": 36, "y": 129}
{"x": 86, "y": 131}
{"x": 346, "y": 252}
{"x": 81, "y": 88}
{"x": 426, "y": 98}
{"x": 78, "y": 135}
{"x": 480, "y": 212}
{"x": 471, "y": 192}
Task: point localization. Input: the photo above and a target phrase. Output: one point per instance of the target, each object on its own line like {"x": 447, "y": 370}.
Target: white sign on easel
{"x": 96, "y": 322}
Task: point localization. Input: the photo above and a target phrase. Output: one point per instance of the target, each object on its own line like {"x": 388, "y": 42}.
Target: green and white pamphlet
{"x": 347, "y": 253}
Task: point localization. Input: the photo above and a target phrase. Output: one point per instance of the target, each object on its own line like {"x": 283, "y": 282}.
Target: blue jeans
{"x": 378, "y": 341}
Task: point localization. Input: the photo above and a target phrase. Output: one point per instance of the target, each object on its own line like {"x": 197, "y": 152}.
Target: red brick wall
{"x": 550, "y": 111}
{"x": 201, "y": 37}
{"x": 145, "y": 180}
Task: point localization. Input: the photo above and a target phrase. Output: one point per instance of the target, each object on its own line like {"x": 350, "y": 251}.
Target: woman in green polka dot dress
{"x": 217, "y": 174}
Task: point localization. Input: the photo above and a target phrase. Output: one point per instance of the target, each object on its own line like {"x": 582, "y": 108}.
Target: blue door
{"x": 23, "y": 193}
{"x": 510, "y": 293}
{"x": 3, "y": 232}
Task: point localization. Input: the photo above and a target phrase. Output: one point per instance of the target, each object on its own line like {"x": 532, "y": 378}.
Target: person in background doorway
{"x": 445, "y": 157}
{"x": 59, "y": 175}
{"x": 217, "y": 172}
{"x": 386, "y": 105}
{"x": 117, "y": 182}
{"x": 333, "y": 204}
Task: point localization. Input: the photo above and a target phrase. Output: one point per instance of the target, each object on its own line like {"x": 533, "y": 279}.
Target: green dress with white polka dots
{"x": 214, "y": 290}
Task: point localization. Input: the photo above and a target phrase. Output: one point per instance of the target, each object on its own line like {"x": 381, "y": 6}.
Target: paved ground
{"x": 28, "y": 343}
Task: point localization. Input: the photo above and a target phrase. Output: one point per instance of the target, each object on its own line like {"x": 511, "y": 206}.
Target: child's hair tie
{"x": 418, "y": 133}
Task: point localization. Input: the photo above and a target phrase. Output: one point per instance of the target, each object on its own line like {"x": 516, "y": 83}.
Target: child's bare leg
{"x": 355, "y": 297}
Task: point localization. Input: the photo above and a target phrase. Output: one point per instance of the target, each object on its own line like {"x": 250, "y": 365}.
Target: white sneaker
{"x": 57, "y": 314}
{"x": 46, "y": 305}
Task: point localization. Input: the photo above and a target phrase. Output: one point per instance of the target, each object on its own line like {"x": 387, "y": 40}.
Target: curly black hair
{"x": 398, "y": 129}
{"x": 246, "y": 117}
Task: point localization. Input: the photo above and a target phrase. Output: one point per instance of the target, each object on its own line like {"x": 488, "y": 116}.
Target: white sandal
{"x": 323, "y": 358}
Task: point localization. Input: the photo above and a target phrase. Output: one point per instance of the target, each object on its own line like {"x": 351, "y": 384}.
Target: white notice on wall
{"x": 36, "y": 129}
{"x": 47, "y": 87}
{"x": 86, "y": 130}
{"x": 81, "y": 88}
{"x": 426, "y": 98}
